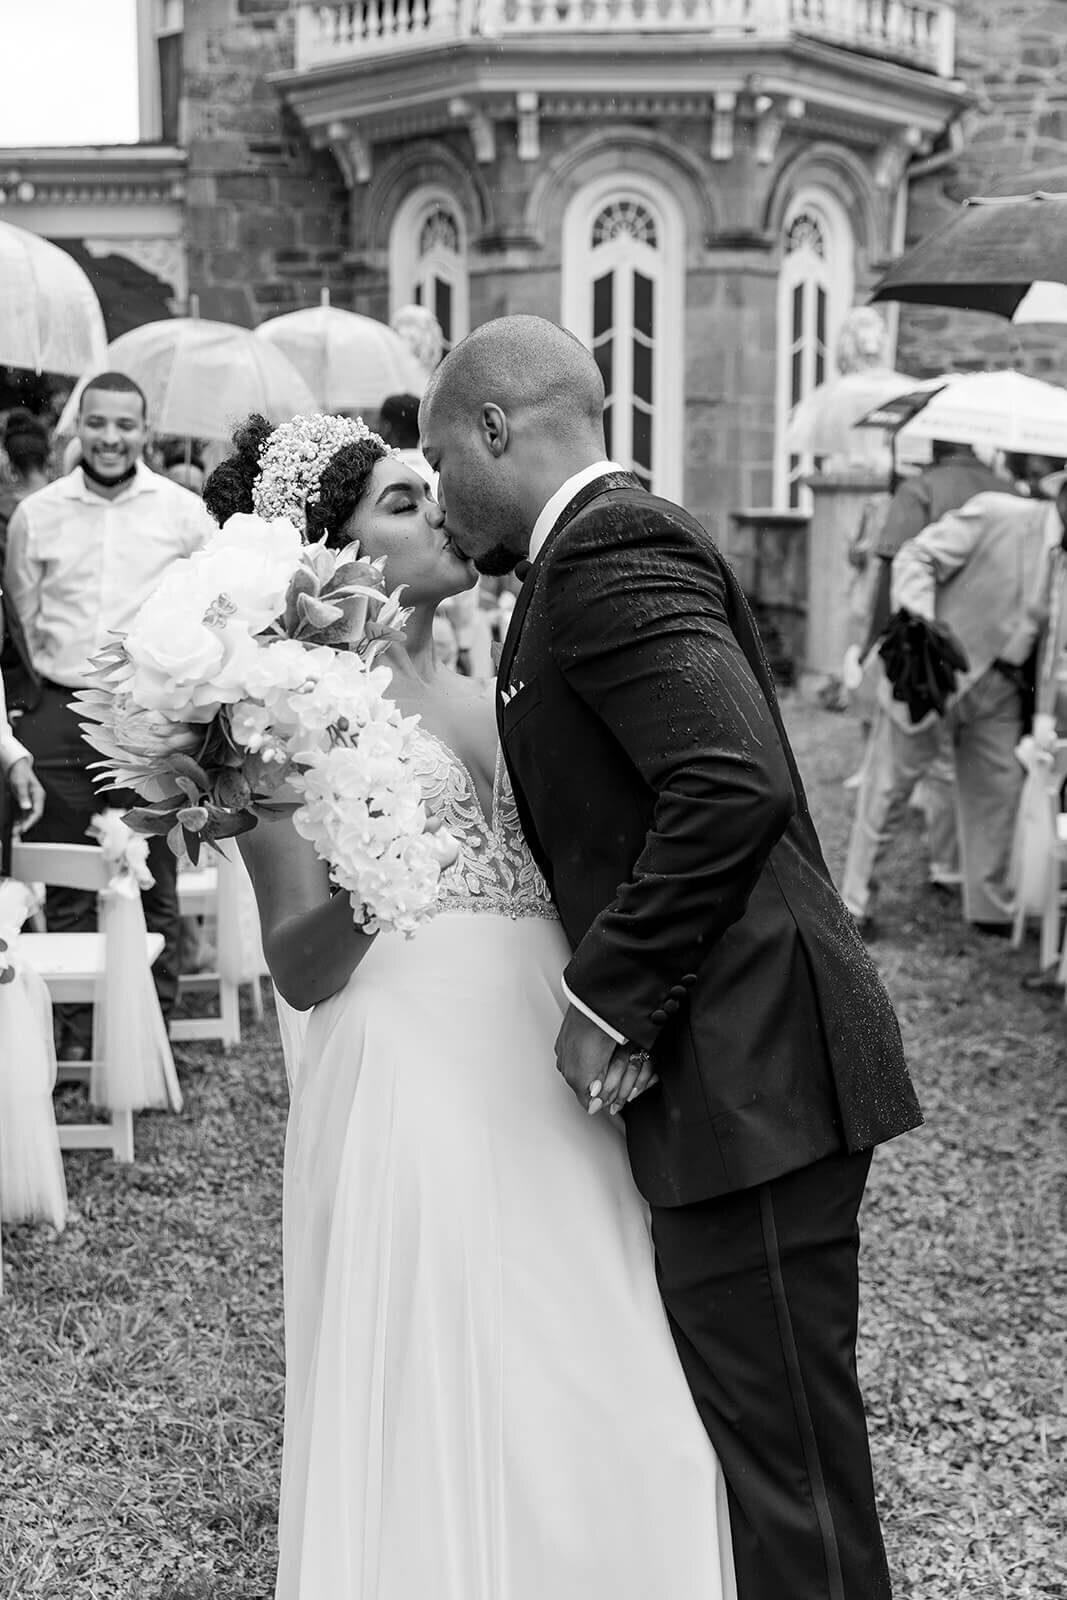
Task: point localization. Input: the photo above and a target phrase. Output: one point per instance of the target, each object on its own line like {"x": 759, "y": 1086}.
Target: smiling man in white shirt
{"x": 82, "y": 556}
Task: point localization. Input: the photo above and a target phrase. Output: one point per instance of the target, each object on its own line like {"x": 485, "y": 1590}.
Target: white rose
{"x": 170, "y": 662}
{"x": 275, "y": 539}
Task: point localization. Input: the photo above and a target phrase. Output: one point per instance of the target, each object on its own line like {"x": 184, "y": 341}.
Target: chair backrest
{"x": 65, "y": 866}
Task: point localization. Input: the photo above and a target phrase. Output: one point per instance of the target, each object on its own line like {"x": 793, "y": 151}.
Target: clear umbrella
{"x": 50, "y": 318}
{"x": 200, "y": 378}
{"x": 987, "y": 410}
{"x": 350, "y": 363}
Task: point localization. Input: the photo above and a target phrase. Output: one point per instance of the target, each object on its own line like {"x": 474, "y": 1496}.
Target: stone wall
{"x": 267, "y": 217}
{"x": 1013, "y": 55}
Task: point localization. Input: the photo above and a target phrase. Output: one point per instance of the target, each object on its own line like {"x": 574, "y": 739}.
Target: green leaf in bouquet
{"x": 227, "y": 824}
{"x": 302, "y": 583}
{"x": 194, "y": 819}
{"x": 232, "y": 791}
{"x": 184, "y": 766}
{"x": 154, "y": 820}
{"x": 315, "y": 615}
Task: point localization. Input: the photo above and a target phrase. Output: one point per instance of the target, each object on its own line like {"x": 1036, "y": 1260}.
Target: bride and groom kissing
{"x": 586, "y": 1335}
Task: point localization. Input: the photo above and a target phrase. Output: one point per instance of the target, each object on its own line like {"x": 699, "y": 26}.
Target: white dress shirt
{"x": 546, "y": 521}
{"x": 551, "y": 513}
{"x": 79, "y": 565}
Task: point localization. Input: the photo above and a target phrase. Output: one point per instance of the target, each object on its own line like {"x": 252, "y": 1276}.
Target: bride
{"x": 483, "y": 1400}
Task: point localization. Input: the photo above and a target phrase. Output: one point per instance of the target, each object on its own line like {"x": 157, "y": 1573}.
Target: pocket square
{"x": 507, "y": 695}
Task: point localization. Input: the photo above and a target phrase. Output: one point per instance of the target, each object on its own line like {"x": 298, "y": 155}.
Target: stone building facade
{"x": 701, "y": 197}
{"x": 701, "y": 188}
{"x": 1012, "y": 55}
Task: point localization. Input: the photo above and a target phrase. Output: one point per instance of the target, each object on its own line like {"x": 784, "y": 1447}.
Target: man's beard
{"x": 497, "y": 561}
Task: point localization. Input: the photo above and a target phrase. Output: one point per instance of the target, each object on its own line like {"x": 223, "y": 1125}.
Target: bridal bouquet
{"x": 252, "y": 667}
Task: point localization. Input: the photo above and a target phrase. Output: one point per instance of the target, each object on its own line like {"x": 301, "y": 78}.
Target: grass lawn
{"x": 141, "y": 1396}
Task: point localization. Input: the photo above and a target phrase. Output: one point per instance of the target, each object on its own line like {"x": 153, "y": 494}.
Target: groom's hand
{"x": 600, "y": 1072}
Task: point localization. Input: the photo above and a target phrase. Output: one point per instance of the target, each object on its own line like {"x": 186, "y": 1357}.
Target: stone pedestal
{"x": 835, "y": 519}
{"x": 768, "y": 551}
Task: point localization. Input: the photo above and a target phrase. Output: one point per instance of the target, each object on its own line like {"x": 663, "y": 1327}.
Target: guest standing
{"x": 83, "y": 554}
{"x": 975, "y": 570}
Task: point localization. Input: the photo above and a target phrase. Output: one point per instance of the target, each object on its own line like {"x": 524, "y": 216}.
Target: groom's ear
{"x": 494, "y": 428}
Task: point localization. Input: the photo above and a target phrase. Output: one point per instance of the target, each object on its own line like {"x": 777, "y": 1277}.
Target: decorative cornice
{"x": 92, "y": 175}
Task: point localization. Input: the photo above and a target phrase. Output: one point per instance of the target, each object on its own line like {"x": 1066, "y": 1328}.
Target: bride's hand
{"x": 630, "y": 1074}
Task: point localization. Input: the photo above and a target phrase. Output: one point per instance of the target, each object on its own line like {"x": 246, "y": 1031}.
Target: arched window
{"x": 815, "y": 289}
{"x": 623, "y": 293}
{"x": 428, "y": 260}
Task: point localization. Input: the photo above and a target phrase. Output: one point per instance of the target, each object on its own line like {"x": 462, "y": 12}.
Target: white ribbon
{"x": 32, "y": 1185}
{"x": 133, "y": 1068}
{"x": 239, "y": 947}
{"x": 1035, "y": 832}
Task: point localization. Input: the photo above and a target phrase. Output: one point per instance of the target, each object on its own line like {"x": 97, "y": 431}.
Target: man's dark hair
{"x": 26, "y": 441}
{"x": 113, "y": 383}
{"x": 398, "y": 421}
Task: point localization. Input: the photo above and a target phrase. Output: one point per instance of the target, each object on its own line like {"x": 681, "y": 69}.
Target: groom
{"x": 658, "y": 792}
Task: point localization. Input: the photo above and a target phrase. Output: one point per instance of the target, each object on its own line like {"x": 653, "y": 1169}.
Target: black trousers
{"x": 61, "y": 758}
{"x": 761, "y": 1290}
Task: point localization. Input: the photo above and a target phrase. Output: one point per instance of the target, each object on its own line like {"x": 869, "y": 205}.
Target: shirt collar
{"x": 74, "y": 487}
{"x": 562, "y": 498}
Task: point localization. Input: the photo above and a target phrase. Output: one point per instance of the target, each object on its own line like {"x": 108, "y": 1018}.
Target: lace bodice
{"x": 495, "y": 871}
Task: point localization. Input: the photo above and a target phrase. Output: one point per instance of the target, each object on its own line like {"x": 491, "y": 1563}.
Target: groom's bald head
{"x": 510, "y": 414}
{"x": 522, "y": 364}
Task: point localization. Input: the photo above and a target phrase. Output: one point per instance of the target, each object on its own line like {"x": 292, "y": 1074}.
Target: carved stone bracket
{"x": 771, "y": 118}
{"x": 893, "y": 157}
{"x": 479, "y": 126}
{"x": 529, "y": 127}
{"x": 350, "y": 150}
{"x": 724, "y": 107}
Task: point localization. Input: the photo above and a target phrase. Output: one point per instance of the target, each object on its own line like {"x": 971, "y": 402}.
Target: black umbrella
{"x": 1005, "y": 253}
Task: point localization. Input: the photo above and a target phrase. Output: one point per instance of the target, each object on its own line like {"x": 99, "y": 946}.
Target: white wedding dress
{"x": 483, "y": 1401}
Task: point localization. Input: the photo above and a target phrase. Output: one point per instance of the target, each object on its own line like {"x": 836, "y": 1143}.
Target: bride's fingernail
{"x": 595, "y": 1088}
{"x": 595, "y": 1106}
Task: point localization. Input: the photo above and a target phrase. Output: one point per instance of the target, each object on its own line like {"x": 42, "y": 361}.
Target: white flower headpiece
{"x": 294, "y": 458}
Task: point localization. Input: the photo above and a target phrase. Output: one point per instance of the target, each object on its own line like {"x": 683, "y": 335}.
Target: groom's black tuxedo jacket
{"x": 659, "y": 795}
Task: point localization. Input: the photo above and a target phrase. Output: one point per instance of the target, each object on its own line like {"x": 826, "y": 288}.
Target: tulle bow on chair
{"x": 133, "y": 1067}
{"x": 32, "y": 1186}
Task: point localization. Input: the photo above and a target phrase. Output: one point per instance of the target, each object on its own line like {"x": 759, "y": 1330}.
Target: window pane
{"x": 796, "y": 390}
{"x": 643, "y": 305}
{"x": 442, "y": 306}
{"x": 642, "y": 371}
{"x": 603, "y": 304}
{"x": 604, "y": 355}
{"x": 609, "y": 420}
{"x": 642, "y": 450}
{"x": 798, "y": 313}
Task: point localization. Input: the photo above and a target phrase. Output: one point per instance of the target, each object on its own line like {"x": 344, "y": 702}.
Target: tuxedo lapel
{"x": 599, "y": 486}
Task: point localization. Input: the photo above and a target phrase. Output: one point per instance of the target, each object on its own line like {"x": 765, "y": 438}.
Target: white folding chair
{"x": 73, "y": 966}
{"x": 218, "y": 888}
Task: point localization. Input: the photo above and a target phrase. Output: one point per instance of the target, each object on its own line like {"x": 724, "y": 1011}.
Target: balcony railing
{"x": 917, "y": 33}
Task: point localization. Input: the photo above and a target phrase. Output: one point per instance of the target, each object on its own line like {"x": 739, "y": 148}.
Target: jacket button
{"x": 678, "y": 991}
{"x": 689, "y": 979}
{"x": 670, "y": 1006}
{"x": 659, "y": 1017}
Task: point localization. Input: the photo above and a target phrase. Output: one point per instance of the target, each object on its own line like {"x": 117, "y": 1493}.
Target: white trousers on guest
{"x": 982, "y": 729}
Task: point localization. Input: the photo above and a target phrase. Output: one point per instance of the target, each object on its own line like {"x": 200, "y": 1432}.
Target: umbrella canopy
{"x": 50, "y": 318}
{"x": 991, "y": 410}
{"x": 349, "y": 362}
{"x": 1005, "y": 253}
{"x": 200, "y": 378}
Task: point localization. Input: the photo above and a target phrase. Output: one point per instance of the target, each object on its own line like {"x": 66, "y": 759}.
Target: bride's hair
{"x": 341, "y": 487}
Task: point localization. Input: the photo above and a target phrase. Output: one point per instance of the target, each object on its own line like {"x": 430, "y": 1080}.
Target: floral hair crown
{"x": 294, "y": 458}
